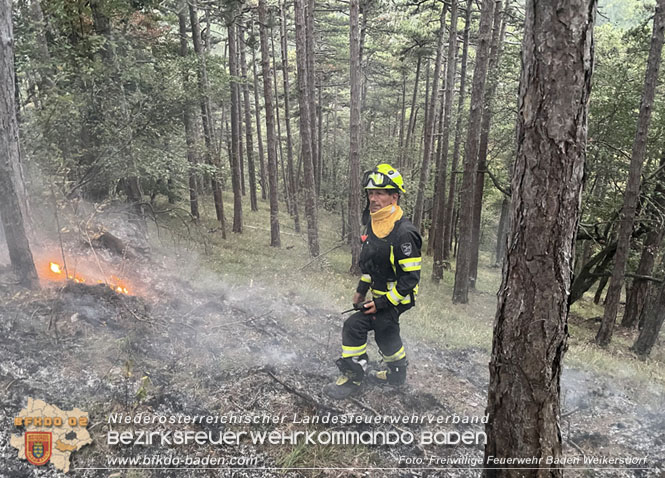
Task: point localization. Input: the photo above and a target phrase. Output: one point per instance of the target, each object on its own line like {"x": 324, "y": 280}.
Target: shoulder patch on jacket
{"x": 406, "y": 248}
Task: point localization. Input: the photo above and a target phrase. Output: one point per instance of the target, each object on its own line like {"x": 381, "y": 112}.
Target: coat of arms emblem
{"x": 38, "y": 447}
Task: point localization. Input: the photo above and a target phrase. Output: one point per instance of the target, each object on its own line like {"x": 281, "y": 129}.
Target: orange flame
{"x": 115, "y": 285}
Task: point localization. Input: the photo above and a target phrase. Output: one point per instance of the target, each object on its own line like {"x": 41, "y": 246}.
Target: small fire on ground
{"x": 58, "y": 273}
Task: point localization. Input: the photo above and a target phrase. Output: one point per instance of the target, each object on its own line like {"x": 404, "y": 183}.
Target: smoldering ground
{"x": 182, "y": 343}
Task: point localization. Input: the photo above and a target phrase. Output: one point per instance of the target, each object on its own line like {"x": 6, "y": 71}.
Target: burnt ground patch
{"x": 182, "y": 349}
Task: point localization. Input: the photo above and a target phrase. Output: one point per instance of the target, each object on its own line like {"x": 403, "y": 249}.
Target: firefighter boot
{"x": 353, "y": 372}
{"x": 395, "y": 375}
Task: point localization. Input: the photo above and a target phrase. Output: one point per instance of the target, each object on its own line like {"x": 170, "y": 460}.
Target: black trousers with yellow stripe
{"x": 385, "y": 324}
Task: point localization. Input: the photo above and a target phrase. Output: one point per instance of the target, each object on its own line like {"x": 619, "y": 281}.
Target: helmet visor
{"x": 376, "y": 180}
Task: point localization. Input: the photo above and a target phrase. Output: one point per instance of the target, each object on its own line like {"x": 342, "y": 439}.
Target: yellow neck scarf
{"x": 383, "y": 220}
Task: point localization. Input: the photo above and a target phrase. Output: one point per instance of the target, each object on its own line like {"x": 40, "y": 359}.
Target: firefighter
{"x": 390, "y": 262}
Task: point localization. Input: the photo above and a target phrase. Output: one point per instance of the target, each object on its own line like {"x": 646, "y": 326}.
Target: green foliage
{"x": 105, "y": 104}
{"x": 614, "y": 107}
{"x": 624, "y": 13}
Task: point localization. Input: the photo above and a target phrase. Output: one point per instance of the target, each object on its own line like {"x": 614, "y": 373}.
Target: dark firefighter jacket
{"x": 391, "y": 266}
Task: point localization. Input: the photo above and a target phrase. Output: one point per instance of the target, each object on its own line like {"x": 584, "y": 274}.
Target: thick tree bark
{"x": 444, "y": 141}
{"x": 463, "y": 264}
{"x": 275, "y": 239}
{"x": 259, "y": 139}
{"x": 637, "y": 294}
{"x": 11, "y": 214}
{"x": 287, "y": 120}
{"x": 449, "y": 225}
{"x": 236, "y": 178}
{"x": 531, "y": 321}
{"x": 495, "y": 55}
{"x": 354, "y": 138}
{"x": 249, "y": 143}
{"x": 429, "y": 124}
{"x": 188, "y": 121}
{"x": 305, "y": 130}
{"x": 631, "y": 194}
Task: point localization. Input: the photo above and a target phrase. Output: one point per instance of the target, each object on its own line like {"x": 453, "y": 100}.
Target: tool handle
{"x": 357, "y": 307}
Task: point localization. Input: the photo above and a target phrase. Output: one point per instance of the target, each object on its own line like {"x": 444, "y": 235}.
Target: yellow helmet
{"x": 384, "y": 176}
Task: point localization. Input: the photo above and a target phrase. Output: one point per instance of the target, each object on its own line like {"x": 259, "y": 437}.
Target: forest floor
{"x": 190, "y": 340}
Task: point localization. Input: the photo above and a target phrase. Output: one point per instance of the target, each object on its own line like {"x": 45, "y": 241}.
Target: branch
{"x": 633, "y": 276}
{"x": 495, "y": 181}
{"x": 321, "y": 255}
{"x": 613, "y": 148}
{"x": 301, "y": 394}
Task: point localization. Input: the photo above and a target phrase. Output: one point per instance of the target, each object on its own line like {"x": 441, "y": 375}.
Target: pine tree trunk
{"x": 495, "y": 55}
{"x": 654, "y": 315}
{"x": 426, "y": 114}
{"x": 412, "y": 111}
{"x": 236, "y": 178}
{"x": 631, "y": 194}
{"x": 259, "y": 139}
{"x": 444, "y": 141}
{"x": 248, "y": 122}
{"x": 212, "y": 154}
{"x": 275, "y": 240}
{"x": 11, "y": 213}
{"x": 354, "y": 137}
{"x": 287, "y": 120}
{"x": 305, "y": 130}
{"x": 429, "y": 125}
{"x": 435, "y": 200}
{"x": 602, "y": 283}
{"x": 437, "y": 203}
{"x": 187, "y": 118}
{"x": 637, "y": 295}
{"x": 530, "y": 331}
{"x": 311, "y": 97}
{"x": 462, "y": 268}
{"x": 202, "y": 74}
{"x": 402, "y": 118}
{"x": 448, "y": 221}
{"x": 285, "y": 181}
{"x": 241, "y": 143}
